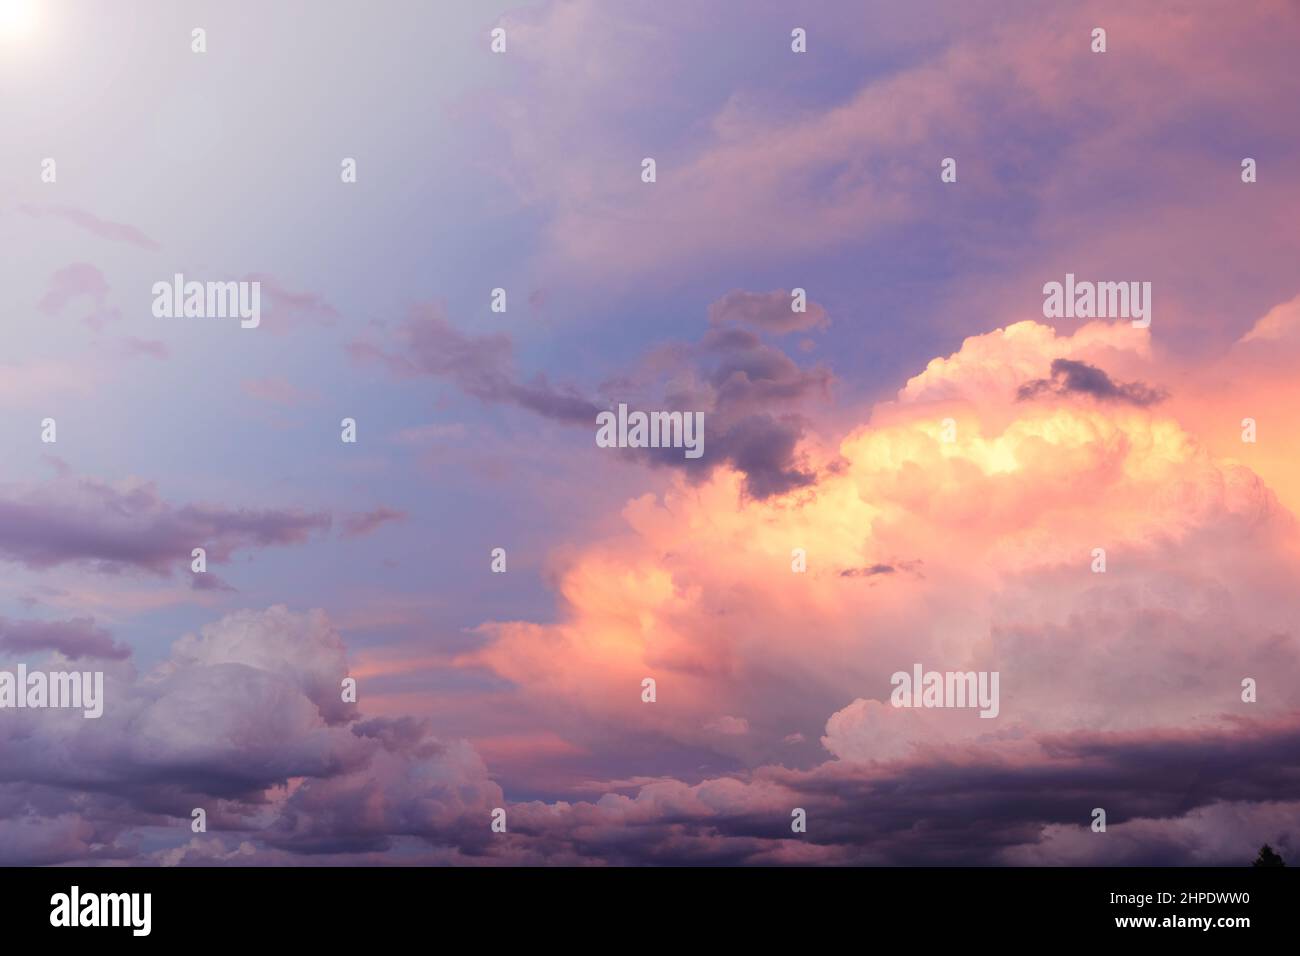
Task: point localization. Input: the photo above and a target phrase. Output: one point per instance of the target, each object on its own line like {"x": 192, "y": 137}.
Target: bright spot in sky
{"x": 17, "y": 19}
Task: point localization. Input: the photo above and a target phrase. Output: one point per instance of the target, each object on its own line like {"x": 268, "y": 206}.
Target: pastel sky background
{"x": 822, "y": 431}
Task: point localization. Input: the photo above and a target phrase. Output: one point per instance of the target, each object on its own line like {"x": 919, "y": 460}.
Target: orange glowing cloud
{"x": 958, "y": 527}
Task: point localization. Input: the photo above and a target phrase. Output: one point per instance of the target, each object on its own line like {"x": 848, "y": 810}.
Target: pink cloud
{"x": 755, "y": 179}
{"x": 104, "y": 229}
{"x": 278, "y": 391}
{"x": 363, "y": 523}
{"x": 999, "y": 525}
{"x": 71, "y": 282}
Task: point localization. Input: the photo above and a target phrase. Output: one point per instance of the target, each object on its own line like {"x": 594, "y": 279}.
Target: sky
{"x": 917, "y": 469}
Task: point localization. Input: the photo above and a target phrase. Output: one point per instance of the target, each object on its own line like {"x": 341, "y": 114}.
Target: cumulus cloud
{"x": 1004, "y": 519}
{"x": 993, "y": 366}
{"x": 978, "y": 807}
{"x": 244, "y": 718}
{"x": 1120, "y": 689}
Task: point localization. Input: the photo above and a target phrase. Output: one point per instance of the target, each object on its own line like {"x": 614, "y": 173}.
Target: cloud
{"x": 977, "y": 807}
{"x": 415, "y": 785}
{"x": 244, "y": 719}
{"x": 75, "y": 638}
{"x": 1282, "y": 322}
{"x": 112, "y": 231}
{"x": 208, "y": 581}
{"x": 750, "y": 392}
{"x": 992, "y": 367}
{"x": 285, "y": 310}
{"x": 362, "y": 523}
{"x": 770, "y": 311}
{"x": 71, "y": 282}
{"x": 879, "y": 568}
{"x": 752, "y": 171}
{"x": 763, "y": 447}
{"x": 729, "y": 725}
{"x": 301, "y": 647}
{"x": 697, "y": 589}
{"x": 1079, "y": 378}
{"x": 754, "y": 398}
{"x": 1216, "y": 834}
{"x": 1119, "y": 690}
{"x": 481, "y": 366}
{"x": 113, "y": 527}
{"x": 79, "y": 280}
{"x": 278, "y": 391}
{"x": 22, "y": 383}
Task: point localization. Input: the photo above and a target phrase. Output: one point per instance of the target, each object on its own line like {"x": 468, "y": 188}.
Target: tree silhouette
{"x": 1267, "y": 857}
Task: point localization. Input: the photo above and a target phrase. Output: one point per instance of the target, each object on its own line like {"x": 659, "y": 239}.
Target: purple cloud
{"x": 479, "y": 365}
{"x": 113, "y": 527}
{"x": 362, "y": 523}
{"x": 75, "y": 638}
{"x": 749, "y": 391}
{"x": 770, "y": 311}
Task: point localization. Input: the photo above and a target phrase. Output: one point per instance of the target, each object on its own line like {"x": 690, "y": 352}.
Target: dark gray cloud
{"x": 972, "y": 806}
{"x": 868, "y": 571}
{"x": 750, "y": 392}
{"x": 1079, "y": 378}
{"x": 874, "y": 570}
{"x": 762, "y": 446}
